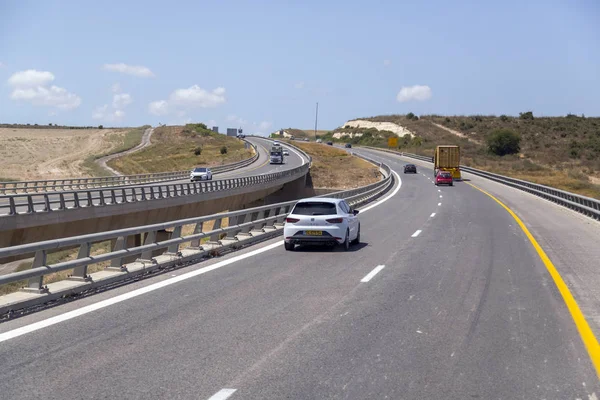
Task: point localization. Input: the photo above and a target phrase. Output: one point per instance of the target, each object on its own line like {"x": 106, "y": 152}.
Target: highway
{"x": 261, "y": 166}
{"x": 446, "y": 298}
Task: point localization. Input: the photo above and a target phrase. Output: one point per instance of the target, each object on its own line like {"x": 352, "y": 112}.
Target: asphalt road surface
{"x": 261, "y": 166}
{"x": 445, "y": 298}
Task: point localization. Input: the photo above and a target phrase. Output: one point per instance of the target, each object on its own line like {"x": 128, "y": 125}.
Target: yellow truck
{"x": 447, "y": 158}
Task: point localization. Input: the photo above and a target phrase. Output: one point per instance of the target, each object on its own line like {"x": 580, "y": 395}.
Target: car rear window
{"x": 446, "y": 175}
{"x": 315, "y": 208}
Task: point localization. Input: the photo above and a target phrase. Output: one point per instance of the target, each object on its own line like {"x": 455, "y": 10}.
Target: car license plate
{"x": 313, "y": 233}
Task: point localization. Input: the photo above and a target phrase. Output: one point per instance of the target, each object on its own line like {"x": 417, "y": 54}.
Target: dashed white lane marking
{"x": 440, "y": 196}
{"x": 417, "y": 233}
{"x": 439, "y": 204}
{"x": 222, "y": 394}
{"x": 439, "y": 190}
{"x": 371, "y": 274}
{"x": 432, "y": 215}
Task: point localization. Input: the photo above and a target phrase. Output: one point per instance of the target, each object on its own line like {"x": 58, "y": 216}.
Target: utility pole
{"x": 316, "y": 119}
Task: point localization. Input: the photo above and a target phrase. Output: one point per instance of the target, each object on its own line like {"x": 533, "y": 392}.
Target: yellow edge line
{"x": 587, "y": 336}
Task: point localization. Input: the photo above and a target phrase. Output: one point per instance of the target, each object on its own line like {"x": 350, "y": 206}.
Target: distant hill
{"x": 558, "y": 151}
{"x": 302, "y": 133}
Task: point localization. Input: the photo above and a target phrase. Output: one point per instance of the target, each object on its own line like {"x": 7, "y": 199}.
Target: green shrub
{"x": 410, "y": 116}
{"x": 503, "y": 141}
{"x": 503, "y": 118}
{"x": 526, "y": 115}
{"x": 198, "y": 151}
{"x": 224, "y": 150}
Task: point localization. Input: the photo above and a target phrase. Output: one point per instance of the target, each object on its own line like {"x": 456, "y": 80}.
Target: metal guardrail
{"x": 55, "y": 185}
{"x": 244, "y": 227}
{"x": 585, "y": 205}
{"x": 44, "y": 203}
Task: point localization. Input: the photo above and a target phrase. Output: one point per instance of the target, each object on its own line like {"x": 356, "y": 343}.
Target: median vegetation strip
{"x": 333, "y": 168}
{"x": 177, "y": 148}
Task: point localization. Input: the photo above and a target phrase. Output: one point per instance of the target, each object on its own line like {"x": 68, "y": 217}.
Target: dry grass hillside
{"x": 305, "y": 133}
{"x": 52, "y": 153}
{"x": 177, "y": 148}
{"x": 562, "y": 152}
{"x": 333, "y": 168}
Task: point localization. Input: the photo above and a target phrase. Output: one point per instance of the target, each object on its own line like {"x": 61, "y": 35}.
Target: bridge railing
{"x": 161, "y": 245}
{"x": 55, "y": 185}
{"x": 585, "y": 205}
{"x": 17, "y": 204}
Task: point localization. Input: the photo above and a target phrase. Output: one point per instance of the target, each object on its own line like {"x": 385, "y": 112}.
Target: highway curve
{"x": 260, "y": 166}
{"x": 462, "y": 309}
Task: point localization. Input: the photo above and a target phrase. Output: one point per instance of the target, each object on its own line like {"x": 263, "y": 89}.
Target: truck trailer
{"x": 447, "y": 158}
{"x": 276, "y": 155}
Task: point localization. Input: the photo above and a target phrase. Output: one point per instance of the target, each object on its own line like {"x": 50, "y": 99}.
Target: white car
{"x": 286, "y": 153}
{"x": 321, "y": 220}
{"x": 201, "y": 174}
{"x": 276, "y": 143}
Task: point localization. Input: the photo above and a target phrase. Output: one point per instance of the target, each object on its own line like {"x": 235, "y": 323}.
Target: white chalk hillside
{"x": 381, "y": 126}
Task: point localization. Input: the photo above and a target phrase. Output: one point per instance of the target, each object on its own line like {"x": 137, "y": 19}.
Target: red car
{"x": 444, "y": 177}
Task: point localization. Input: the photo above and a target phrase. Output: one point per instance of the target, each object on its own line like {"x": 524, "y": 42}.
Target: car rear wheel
{"x": 357, "y": 240}
{"x": 289, "y": 246}
{"x": 451, "y": 184}
{"x": 346, "y": 243}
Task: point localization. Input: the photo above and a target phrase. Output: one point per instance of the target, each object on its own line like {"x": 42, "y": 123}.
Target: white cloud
{"x": 121, "y": 100}
{"x": 1, "y": 65}
{"x": 211, "y": 123}
{"x": 182, "y": 100}
{"x": 32, "y": 86}
{"x": 299, "y": 85}
{"x": 100, "y": 112}
{"x": 116, "y": 88}
{"x": 387, "y": 63}
{"x": 160, "y": 107}
{"x": 416, "y": 92}
{"x": 52, "y": 114}
{"x": 30, "y": 78}
{"x": 135, "y": 70}
{"x": 53, "y": 96}
{"x": 103, "y": 113}
{"x": 265, "y": 125}
{"x": 196, "y": 97}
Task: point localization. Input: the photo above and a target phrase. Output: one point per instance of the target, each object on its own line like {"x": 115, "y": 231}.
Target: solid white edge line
{"x": 129, "y": 295}
{"x": 417, "y": 233}
{"x": 385, "y": 198}
{"x": 432, "y": 215}
{"x": 371, "y": 274}
{"x": 222, "y": 394}
{"x": 138, "y": 292}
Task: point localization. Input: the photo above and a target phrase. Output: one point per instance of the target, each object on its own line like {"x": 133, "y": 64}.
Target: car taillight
{"x": 292, "y": 220}
{"x": 335, "y": 220}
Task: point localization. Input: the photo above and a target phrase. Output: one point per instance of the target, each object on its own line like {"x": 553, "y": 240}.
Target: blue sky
{"x": 264, "y": 64}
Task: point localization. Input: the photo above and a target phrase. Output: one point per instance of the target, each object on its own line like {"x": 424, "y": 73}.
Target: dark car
{"x": 348, "y": 145}
{"x": 412, "y": 168}
{"x": 444, "y": 178}
{"x": 330, "y": 143}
